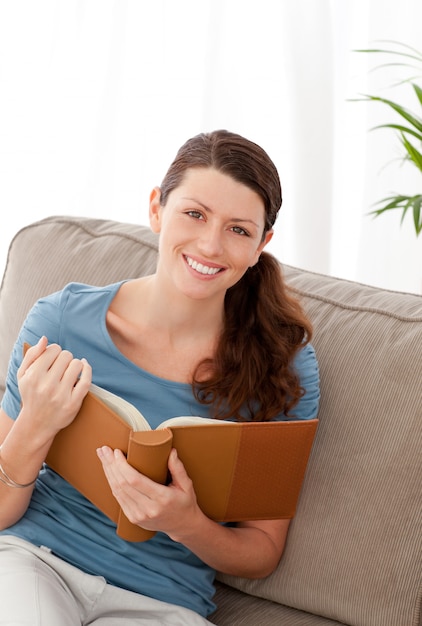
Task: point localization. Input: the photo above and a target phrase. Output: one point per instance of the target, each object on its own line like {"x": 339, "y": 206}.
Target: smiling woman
{"x": 212, "y": 332}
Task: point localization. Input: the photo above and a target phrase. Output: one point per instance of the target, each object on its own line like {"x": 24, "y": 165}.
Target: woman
{"x": 214, "y": 332}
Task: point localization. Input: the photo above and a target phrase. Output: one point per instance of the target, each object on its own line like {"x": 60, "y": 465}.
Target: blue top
{"x": 61, "y": 518}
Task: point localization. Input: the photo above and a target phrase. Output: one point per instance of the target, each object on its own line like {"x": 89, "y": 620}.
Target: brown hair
{"x": 251, "y": 373}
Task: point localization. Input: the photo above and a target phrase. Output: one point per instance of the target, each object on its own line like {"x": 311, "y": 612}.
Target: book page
{"x": 137, "y": 421}
{"x": 191, "y": 420}
{"x": 122, "y": 407}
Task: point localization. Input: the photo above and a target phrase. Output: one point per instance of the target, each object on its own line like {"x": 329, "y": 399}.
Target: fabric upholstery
{"x": 354, "y": 550}
{"x": 353, "y": 554}
{"x": 238, "y": 609}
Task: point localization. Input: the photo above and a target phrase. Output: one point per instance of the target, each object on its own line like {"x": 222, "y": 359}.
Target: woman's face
{"x": 210, "y": 232}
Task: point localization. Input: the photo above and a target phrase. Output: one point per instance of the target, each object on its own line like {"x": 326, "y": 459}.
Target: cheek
{"x": 254, "y": 259}
{"x": 246, "y": 257}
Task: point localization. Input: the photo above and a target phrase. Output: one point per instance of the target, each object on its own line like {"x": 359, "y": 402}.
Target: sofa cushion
{"x": 354, "y": 549}
{"x": 236, "y": 608}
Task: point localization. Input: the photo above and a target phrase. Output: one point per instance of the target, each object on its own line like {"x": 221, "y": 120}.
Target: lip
{"x": 204, "y": 264}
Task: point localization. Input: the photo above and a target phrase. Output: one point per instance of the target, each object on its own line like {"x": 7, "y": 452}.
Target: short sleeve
{"x": 42, "y": 319}
{"x": 306, "y": 366}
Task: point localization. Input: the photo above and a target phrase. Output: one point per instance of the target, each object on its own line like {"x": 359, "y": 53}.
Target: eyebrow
{"x": 234, "y": 219}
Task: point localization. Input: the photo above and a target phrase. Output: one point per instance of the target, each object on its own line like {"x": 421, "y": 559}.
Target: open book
{"x": 240, "y": 470}
{"x": 127, "y": 411}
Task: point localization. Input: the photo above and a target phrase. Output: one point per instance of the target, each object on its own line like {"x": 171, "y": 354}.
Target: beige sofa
{"x": 353, "y": 554}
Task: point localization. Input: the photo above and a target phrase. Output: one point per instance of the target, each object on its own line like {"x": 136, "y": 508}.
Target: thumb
{"x": 177, "y": 470}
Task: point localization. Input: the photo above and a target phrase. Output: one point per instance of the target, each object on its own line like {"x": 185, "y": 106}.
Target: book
{"x": 127, "y": 411}
{"x": 240, "y": 470}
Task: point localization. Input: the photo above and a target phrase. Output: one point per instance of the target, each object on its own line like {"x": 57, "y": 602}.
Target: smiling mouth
{"x": 202, "y": 269}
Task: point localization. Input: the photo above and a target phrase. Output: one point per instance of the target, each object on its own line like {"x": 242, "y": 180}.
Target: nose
{"x": 210, "y": 244}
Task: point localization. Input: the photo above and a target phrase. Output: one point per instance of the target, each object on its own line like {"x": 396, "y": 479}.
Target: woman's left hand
{"x": 165, "y": 508}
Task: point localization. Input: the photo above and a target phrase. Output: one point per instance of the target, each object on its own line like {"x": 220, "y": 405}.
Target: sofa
{"x": 353, "y": 553}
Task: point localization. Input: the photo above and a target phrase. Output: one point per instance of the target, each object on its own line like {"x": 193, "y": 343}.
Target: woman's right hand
{"x": 52, "y": 384}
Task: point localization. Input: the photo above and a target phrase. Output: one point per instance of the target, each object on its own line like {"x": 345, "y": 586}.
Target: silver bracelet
{"x": 6, "y": 480}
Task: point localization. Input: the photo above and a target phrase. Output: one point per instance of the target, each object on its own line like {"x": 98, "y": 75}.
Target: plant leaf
{"x": 417, "y": 221}
{"x": 416, "y": 57}
{"x": 403, "y": 129}
{"x": 407, "y": 115}
{"x": 393, "y": 202}
{"x": 404, "y": 203}
{"x": 418, "y": 92}
{"x": 416, "y": 53}
{"x": 413, "y": 153}
{"x": 401, "y": 56}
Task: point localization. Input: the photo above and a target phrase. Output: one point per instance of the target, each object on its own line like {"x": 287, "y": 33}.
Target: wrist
{"x": 7, "y": 480}
{"x": 36, "y": 433}
{"x": 193, "y": 532}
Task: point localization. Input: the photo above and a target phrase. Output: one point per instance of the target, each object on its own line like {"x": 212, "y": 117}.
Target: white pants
{"x": 39, "y": 589}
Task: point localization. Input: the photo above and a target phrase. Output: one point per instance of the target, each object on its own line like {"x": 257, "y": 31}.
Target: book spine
{"x": 148, "y": 452}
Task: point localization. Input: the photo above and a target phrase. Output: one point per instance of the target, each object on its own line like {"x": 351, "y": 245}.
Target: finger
{"x": 106, "y": 456}
{"x": 178, "y": 472}
{"x": 65, "y": 367}
{"x": 132, "y": 500}
{"x": 134, "y": 481}
{"x": 114, "y": 465}
{"x": 76, "y": 380}
{"x": 124, "y": 476}
{"x": 72, "y": 370}
{"x": 85, "y": 378}
{"x": 38, "y": 348}
{"x": 40, "y": 361}
{"x": 62, "y": 367}
{"x": 49, "y": 356}
{"x": 32, "y": 353}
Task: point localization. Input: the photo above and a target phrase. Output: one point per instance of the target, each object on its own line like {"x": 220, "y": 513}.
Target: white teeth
{"x": 202, "y": 269}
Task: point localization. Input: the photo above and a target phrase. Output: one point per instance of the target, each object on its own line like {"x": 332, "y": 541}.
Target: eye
{"x": 196, "y": 214}
{"x": 240, "y": 231}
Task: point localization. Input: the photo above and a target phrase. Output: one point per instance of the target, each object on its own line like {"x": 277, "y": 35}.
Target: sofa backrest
{"x": 354, "y": 548}
{"x": 354, "y": 552}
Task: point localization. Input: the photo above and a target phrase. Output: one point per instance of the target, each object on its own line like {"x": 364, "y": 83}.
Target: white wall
{"x": 96, "y": 96}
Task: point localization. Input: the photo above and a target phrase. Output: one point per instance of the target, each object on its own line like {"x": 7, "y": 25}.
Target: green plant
{"x": 408, "y": 127}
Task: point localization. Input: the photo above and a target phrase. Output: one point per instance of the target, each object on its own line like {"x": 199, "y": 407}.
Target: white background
{"x": 97, "y": 95}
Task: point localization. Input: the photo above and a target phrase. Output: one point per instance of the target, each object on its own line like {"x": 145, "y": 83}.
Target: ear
{"x": 155, "y": 210}
{"x": 267, "y": 238}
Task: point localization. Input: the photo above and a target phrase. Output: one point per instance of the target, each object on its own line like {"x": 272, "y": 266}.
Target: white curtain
{"x": 97, "y": 95}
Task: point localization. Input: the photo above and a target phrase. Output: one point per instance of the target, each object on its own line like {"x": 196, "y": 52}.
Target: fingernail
{"x": 103, "y": 452}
